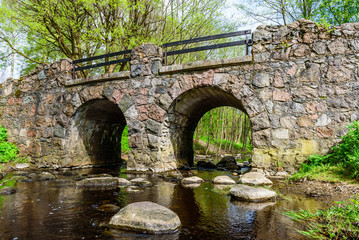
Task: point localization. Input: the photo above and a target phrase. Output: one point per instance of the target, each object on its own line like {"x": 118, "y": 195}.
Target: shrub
{"x": 8, "y": 151}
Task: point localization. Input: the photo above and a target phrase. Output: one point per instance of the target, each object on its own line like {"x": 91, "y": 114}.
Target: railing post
{"x": 166, "y": 57}
{"x": 73, "y": 70}
{"x": 247, "y": 50}
{"x": 146, "y": 60}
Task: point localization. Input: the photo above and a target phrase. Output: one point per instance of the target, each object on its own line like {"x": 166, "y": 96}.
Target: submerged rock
{"x": 8, "y": 191}
{"x": 134, "y": 189}
{"x": 255, "y": 178}
{"x": 146, "y": 217}
{"x": 253, "y": 206}
{"x": 123, "y": 182}
{"x": 251, "y": 194}
{"x": 110, "y": 208}
{"x": 33, "y": 176}
{"x": 282, "y": 175}
{"x": 70, "y": 174}
{"x": 223, "y": 180}
{"x": 100, "y": 175}
{"x": 192, "y": 180}
{"x": 20, "y": 166}
{"x": 204, "y": 164}
{"x": 46, "y": 176}
{"x": 228, "y": 162}
{"x": 64, "y": 182}
{"x": 141, "y": 182}
{"x": 98, "y": 182}
{"x": 78, "y": 177}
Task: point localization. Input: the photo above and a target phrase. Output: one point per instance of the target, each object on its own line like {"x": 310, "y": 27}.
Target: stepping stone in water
{"x": 252, "y": 194}
{"x": 146, "y": 217}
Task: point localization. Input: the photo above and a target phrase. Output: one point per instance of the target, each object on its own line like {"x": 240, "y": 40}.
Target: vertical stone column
{"x": 146, "y": 60}
{"x": 146, "y": 115}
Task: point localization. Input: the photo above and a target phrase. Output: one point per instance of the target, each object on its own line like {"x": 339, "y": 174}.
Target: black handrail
{"x": 248, "y": 42}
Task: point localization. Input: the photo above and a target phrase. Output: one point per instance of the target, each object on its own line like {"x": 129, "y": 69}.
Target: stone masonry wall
{"x": 299, "y": 88}
{"x": 309, "y": 81}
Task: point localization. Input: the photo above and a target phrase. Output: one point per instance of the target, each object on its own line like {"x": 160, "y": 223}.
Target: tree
{"x": 278, "y": 11}
{"x": 79, "y": 29}
{"x": 336, "y": 12}
{"x": 333, "y": 12}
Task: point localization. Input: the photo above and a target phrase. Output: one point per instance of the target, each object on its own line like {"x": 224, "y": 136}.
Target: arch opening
{"x": 99, "y": 125}
{"x": 185, "y": 113}
{"x": 222, "y": 131}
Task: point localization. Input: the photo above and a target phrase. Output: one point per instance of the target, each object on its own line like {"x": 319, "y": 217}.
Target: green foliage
{"x": 336, "y": 12}
{"x": 225, "y": 129}
{"x": 338, "y": 222}
{"x": 345, "y": 156}
{"x": 124, "y": 141}
{"x": 237, "y": 147}
{"x": 347, "y": 152}
{"x": 41, "y": 31}
{"x": 8, "y": 181}
{"x": 8, "y": 151}
{"x": 326, "y": 12}
{"x": 3, "y": 134}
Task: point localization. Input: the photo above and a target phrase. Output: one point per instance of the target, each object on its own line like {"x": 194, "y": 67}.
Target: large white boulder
{"x": 146, "y": 217}
{"x": 223, "y": 180}
{"x": 252, "y": 194}
{"x": 255, "y": 178}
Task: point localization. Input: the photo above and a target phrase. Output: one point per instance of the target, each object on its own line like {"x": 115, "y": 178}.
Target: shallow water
{"x": 52, "y": 210}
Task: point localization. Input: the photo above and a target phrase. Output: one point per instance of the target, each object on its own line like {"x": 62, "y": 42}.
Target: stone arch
{"x": 185, "y": 112}
{"x": 94, "y": 134}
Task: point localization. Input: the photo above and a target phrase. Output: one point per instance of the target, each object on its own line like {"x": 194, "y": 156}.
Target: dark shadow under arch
{"x": 100, "y": 124}
{"x": 186, "y": 111}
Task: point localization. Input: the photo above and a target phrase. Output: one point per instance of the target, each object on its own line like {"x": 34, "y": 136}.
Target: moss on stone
{"x": 17, "y": 93}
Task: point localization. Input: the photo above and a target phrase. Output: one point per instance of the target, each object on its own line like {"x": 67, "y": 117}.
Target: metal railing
{"x": 247, "y": 42}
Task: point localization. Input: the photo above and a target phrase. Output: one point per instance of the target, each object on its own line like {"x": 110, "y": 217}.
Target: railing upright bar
{"x": 247, "y": 50}
{"x": 166, "y": 57}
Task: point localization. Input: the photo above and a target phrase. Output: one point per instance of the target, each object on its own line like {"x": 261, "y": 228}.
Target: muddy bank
{"x": 321, "y": 191}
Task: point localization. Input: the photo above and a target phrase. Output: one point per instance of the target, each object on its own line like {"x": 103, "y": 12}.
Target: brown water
{"x": 52, "y": 210}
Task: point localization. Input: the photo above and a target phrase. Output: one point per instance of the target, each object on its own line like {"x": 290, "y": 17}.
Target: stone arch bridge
{"x": 299, "y": 88}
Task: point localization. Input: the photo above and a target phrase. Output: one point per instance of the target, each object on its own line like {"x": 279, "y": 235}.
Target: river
{"x": 59, "y": 210}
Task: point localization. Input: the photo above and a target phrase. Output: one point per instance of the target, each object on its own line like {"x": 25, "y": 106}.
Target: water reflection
{"x": 59, "y": 210}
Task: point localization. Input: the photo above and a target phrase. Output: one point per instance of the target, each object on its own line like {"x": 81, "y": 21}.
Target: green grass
{"x": 323, "y": 173}
{"x": 8, "y": 181}
{"x": 198, "y": 148}
{"x": 124, "y": 141}
{"x": 338, "y": 222}
{"x": 237, "y": 147}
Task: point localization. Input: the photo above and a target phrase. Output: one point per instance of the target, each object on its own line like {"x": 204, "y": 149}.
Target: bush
{"x": 8, "y": 151}
{"x": 337, "y": 222}
{"x": 344, "y": 155}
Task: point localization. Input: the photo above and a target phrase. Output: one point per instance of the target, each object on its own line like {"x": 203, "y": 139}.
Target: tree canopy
{"x": 332, "y": 12}
{"x": 41, "y": 30}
